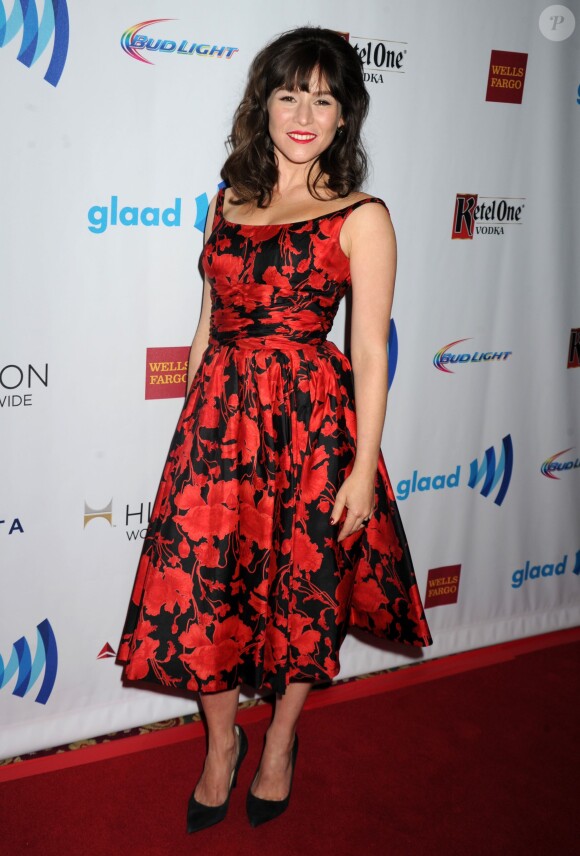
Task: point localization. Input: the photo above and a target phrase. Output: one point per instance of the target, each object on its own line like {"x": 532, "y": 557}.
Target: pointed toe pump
{"x": 261, "y": 811}
{"x": 201, "y": 816}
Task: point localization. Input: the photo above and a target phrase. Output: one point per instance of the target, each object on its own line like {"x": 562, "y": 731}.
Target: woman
{"x": 275, "y": 528}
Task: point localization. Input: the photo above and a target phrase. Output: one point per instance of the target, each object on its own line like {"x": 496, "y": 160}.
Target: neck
{"x": 292, "y": 177}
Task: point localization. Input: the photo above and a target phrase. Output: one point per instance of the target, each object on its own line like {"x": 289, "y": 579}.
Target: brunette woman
{"x": 275, "y": 528}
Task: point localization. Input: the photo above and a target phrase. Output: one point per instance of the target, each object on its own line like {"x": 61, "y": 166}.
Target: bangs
{"x": 294, "y": 72}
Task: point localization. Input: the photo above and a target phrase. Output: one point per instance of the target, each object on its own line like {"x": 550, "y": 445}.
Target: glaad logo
{"x": 132, "y": 43}
{"x": 13, "y": 377}
{"x": 36, "y": 33}
{"x": 101, "y": 216}
{"x": 490, "y": 473}
{"x": 487, "y": 470}
{"x": 496, "y": 211}
{"x": 442, "y": 359}
{"x": 202, "y": 207}
{"x": 392, "y": 353}
{"x": 92, "y": 514}
{"x": 536, "y": 572}
{"x": 552, "y": 466}
{"x": 574, "y": 349}
{"x": 46, "y": 657}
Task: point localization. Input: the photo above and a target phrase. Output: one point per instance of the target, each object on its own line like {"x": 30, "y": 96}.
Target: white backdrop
{"x": 82, "y": 446}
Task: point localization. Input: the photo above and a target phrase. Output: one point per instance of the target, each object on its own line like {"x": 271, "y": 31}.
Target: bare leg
{"x": 220, "y": 712}
{"x": 272, "y": 780}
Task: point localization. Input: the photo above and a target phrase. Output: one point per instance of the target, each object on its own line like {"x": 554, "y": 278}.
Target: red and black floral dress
{"x": 241, "y": 579}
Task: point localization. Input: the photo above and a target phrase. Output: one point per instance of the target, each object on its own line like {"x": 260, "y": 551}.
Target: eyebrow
{"x": 317, "y": 93}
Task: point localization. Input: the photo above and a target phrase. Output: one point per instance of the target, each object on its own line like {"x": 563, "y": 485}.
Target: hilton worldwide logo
{"x": 135, "y": 515}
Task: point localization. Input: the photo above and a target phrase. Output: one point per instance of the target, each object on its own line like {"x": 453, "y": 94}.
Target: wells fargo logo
{"x": 507, "y": 73}
{"x": 166, "y": 373}
{"x": 442, "y": 585}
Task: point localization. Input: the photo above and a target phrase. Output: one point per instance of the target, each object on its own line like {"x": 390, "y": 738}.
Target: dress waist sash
{"x": 259, "y": 338}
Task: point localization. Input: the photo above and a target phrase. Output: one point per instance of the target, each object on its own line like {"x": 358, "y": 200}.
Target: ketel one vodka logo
{"x": 379, "y": 57}
{"x": 485, "y": 215}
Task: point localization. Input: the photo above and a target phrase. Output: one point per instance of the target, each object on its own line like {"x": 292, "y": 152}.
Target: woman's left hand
{"x": 356, "y": 494}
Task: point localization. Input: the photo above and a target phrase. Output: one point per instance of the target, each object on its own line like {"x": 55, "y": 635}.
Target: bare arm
{"x": 368, "y": 238}
{"x": 201, "y": 337}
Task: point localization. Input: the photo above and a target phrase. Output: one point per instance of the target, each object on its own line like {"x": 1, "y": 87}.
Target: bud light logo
{"x": 37, "y": 33}
{"x": 490, "y": 473}
{"x": 29, "y": 670}
{"x": 443, "y": 360}
{"x": 133, "y": 41}
{"x": 551, "y": 466}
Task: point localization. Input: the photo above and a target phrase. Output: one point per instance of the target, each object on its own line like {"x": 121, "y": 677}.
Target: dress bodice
{"x": 284, "y": 279}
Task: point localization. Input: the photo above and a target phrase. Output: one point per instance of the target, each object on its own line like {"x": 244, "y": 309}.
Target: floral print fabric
{"x": 241, "y": 578}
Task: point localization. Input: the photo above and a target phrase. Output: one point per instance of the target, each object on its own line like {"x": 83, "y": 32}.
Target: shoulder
{"x": 367, "y": 221}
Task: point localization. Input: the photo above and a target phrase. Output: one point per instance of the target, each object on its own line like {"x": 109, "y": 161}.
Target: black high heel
{"x": 261, "y": 811}
{"x": 201, "y": 816}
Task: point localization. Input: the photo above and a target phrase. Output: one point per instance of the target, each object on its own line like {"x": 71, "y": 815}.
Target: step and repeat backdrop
{"x": 114, "y": 117}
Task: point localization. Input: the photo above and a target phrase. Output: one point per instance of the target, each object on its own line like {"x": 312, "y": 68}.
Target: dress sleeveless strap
{"x": 219, "y": 207}
{"x": 360, "y": 202}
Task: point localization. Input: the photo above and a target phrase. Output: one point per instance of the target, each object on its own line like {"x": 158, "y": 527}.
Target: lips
{"x": 301, "y": 136}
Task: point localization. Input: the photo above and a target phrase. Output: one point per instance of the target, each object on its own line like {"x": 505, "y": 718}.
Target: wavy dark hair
{"x": 288, "y": 63}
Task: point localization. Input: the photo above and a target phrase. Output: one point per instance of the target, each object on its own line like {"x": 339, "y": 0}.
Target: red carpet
{"x": 479, "y": 762}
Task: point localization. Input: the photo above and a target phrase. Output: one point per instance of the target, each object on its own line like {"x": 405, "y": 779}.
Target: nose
{"x": 304, "y": 111}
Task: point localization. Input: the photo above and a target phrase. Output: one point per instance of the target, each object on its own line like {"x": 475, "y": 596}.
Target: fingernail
{"x": 332, "y": 519}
